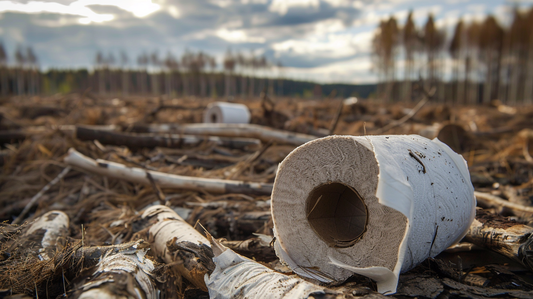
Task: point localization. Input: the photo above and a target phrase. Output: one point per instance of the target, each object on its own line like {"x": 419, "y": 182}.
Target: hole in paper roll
{"x": 213, "y": 118}
{"x": 337, "y": 214}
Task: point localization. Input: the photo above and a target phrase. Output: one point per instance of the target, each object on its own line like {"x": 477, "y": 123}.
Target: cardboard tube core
{"x": 337, "y": 214}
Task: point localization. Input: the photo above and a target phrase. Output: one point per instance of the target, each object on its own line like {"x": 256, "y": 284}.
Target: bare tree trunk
{"x": 125, "y": 82}
{"x": 528, "y": 86}
{"x": 168, "y": 84}
{"x": 20, "y": 81}
{"x": 487, "y": 87}
{"x": 101, "y": 83}
{"x": 243, "y": 85}
{"x": 4, "y": 74}
{"x": 515, "y": 77}
{"x": 212, "y": 85}
{"x": 186, "y": 91}
{"x": 227, "y": 83}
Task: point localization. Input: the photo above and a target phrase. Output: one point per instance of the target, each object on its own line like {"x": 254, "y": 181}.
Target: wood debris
{"x": 114, "y": 215}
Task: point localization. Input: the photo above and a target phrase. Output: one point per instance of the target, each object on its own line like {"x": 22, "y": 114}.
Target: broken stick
{"x": 163, "y": 180}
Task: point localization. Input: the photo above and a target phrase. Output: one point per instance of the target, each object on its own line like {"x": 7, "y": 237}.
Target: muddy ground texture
{"x": 494, "y": 139}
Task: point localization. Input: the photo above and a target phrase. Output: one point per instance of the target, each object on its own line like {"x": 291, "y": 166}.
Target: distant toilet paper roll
{"x": 226, "y": 113}
{"x": 371, "y": 205}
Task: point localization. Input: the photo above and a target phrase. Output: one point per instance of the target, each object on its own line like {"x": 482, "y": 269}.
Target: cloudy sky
{"x": 319, "y": 40}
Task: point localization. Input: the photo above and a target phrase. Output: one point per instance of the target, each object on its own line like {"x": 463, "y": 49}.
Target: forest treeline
{"x": 479, "y": 62}
{"x": 192, "y": 74}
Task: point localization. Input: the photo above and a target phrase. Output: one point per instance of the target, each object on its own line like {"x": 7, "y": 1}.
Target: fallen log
{"x": 236, "y": 276}
{"x": 265, "y": 134}
{"x": 163, "y": 180}
{"x": 50, "y": 230}
{"x": 136, "y": 141}
{"x": 121, "y": 273}
{"x": 504, "y": 236}
{"x": 178, "y": 244}
{"x": 193, "y": 256}
{"x": 10, "y": 136}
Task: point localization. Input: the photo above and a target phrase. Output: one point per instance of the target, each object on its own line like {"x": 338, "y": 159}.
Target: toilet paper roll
{"x": 226, "y": 113}
{"x": 371, "y": 205}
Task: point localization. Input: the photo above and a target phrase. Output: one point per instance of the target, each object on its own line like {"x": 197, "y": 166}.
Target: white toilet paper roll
{"x": 372, "y": 205}
{"x": 226, "y": 113}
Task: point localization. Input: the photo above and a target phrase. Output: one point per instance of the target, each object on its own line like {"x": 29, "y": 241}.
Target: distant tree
{"x": 172, "y": 66}
{"x": 384, "y": 48}
{"x": 100, "y": 71}
{"x": 528, "y": 82}
{"x": 201, "y": 62}
{"x": 187, "y": 64}
{"x": 242, "y": 65}
{"x": 142, "y": 62}
{"x": 472, "y": 45}
{"x": 410, "y": 44}
{"x": 433, "y": 40}
{"x": 156, "y": 64}
{"x": 110, "y": 63}
{"x": 125, "y": 72}
{"x": 229, "y": 67}
{"x": 3, "y": 70}
{"x": 212, "y": 62}
{"x": 253, "y": 64}
{"x": 21, "y": 62}
{"x": 32, "y": 62}
{"x": 491, "y": 45}
{"x": 456, "y": 47}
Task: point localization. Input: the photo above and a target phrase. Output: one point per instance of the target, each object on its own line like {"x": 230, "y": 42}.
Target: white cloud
{"x": 282, "y": 6}
{"x": 34, "y": 7}
{"x": 139, "y": 8}
{"x": 331, "y": 46}
{"x": 354, "y": 71}
{"x": 237, "y": 36}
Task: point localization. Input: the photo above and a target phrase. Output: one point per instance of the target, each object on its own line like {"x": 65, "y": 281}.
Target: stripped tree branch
{"x": 163, "y": 180}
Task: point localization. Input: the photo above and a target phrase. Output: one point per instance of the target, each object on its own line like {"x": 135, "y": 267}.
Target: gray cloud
{"x": 59, "y": 40}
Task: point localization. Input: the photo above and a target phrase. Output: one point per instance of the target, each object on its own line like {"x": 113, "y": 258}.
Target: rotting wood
{"x": 163, "y": 180}
{"x": 137, "y": 141}
{"x": 262, "y": 133}
{"x": 503, "y": 236}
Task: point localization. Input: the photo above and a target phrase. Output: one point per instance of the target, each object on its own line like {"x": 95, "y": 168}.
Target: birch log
{"x": 236, "y": 276}
{"x": 49, "y": 232}
{"x": 262, "y": 133}
{"x": 372, "y": 205}
{"x": 163, "y": 180}
{"x": 178, "y": 244}
{"x": 121, "y": 274}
